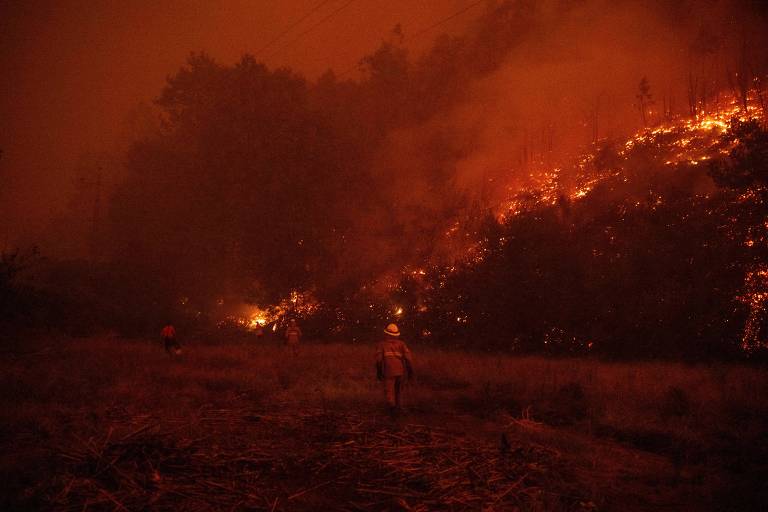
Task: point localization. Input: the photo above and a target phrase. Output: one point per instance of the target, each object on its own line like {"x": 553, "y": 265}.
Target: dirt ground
{"x": 116, "y": 425}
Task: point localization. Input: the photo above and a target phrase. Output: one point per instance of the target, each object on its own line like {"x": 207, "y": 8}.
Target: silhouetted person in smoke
{"x": 170, "y": 342}
{"x": 393, "y": 363}
{"x": 293, "y": 336}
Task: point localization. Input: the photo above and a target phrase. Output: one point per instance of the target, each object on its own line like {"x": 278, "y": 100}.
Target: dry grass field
{"x": 116, "y": 424}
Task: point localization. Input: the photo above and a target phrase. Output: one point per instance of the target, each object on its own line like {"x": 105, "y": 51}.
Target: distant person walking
{"x": 169, "y": 340}
{"x": 293, "y": 336}
{"x": 393, "y": 363}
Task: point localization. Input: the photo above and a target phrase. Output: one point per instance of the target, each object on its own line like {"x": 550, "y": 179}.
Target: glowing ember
{"x": 756, "y": 285}
{"x": 298, "y": 304}
{"x": 259, "y": 318}
{"x": 676, "y": 144}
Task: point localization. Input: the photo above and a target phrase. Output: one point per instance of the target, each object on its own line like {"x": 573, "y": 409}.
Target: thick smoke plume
{"x": 531, "y": 85}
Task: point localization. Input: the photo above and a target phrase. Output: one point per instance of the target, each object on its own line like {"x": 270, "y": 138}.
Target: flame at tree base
{"x": 301, "y": 304}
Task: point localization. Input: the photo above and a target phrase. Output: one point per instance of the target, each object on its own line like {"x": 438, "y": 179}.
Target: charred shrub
{"x": 675, "y": 403}
{"x": 487, "y": 400}
{"x": 444, "y": 382}
{"x": 17, "y": 300}
{"x": 286, "y": 379}
{"x": 568, "y": 405}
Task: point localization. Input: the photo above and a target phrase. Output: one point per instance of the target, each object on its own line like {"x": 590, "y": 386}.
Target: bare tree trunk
{"x": 596, "y": 120}
{"x": 671, "y": 106}
{"x": 692, "y": 101}
{"x": 717, "y": 100}
{"x": 742, "y": 77}
{"x": 758, "y": 81}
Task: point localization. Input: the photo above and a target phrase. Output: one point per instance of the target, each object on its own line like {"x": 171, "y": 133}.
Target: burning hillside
{"x": 678, "y": 143}
{"x": 624, "y": 212}
{"x": 664, "y": 173}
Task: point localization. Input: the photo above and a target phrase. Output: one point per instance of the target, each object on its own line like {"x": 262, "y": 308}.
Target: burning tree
{"x": 644, "y": 99}
{"x": 744, "y": 172}
{"x": 613, "y": 264}
{"x": 744, "y": 167}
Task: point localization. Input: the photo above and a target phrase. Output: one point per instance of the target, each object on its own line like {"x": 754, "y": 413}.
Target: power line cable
{"x": 445, "y": 20}
{"x": 310, "y": 29}
{"x": 292, "y": 26}
{"x": 424, "y": 31}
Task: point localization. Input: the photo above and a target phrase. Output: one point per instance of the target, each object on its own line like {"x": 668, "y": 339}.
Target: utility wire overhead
{"x": 423, "y": 31}
{"x": 311, "y": 28}
{"x": 292, "y": 26}
{"x": 445, "y": 20}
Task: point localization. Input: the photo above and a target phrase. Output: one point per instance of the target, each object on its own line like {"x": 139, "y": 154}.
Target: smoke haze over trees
{"x": 285, "y": 174}
{"x": 251, "y": 181}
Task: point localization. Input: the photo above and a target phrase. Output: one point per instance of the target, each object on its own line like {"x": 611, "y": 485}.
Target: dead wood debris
{"x": 225, "y": 459}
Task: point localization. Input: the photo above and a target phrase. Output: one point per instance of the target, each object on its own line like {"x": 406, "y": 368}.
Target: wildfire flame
{"x": 297, "y": 303}
{"x": 756, "y": 296}
{"x": 682, "y": 142}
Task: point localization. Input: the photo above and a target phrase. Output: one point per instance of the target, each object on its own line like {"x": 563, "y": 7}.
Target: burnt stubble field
{"x": 116, "y": 424}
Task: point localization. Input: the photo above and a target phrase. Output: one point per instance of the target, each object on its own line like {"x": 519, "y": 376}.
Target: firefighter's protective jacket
{"x": 292, "y": 334}
{"x": 394, "y": 357}
{"x": 168, "y": 332}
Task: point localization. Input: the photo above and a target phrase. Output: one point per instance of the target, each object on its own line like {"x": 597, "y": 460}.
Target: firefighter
{"x": 293, "y": 336}
{"x": 169, "y": 340}
{"x": 393, "y": 364}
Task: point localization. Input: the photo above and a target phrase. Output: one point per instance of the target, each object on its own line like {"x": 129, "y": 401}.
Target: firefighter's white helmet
{"x": 392, "y": 330}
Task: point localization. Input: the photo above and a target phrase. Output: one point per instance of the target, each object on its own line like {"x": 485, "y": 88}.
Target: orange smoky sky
{"x": 74, "y": 70}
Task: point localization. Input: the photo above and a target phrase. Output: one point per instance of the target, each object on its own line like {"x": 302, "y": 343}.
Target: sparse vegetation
{"x": 697, "y": 432}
